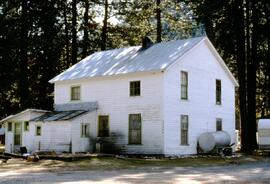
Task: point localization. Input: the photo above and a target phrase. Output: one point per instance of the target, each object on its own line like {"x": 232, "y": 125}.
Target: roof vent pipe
{"x": 146, "y": 43}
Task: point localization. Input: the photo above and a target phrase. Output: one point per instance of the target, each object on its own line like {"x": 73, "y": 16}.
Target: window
{"x": 184, "y": 130}
{"x": 75, "y": 93}
{"x": 135, "y": 129}
{"x": 9, "y": 126}
{"x": 26, "y": 126}
{"x": 38, "y": 130}
{"x": 103, "y": 126}
{"x": 219, "y": 124}
{"x": 135, "y": 88}
{"x": 218, "y": 92}
{"x": 85, "y": 130}
{"x": 184, "y": 85}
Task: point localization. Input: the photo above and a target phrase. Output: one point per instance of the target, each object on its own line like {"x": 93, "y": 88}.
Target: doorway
{"x": 17, "y": 134}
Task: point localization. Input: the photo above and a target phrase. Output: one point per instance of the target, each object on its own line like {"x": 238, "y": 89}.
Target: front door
{"x": 17, "y": 134}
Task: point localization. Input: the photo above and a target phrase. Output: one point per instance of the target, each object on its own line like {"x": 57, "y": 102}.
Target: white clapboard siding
{"x": 112, "y": 95}
{"x": 203, "y": 70}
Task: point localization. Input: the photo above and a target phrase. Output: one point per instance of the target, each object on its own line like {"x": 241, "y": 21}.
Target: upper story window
{"x": 184, "y": 85}
{"x": 218, "y": 92}
{"x": 218, "y": 124}
{"x": 75, "y": 93}
{"x": 135, "y": 88}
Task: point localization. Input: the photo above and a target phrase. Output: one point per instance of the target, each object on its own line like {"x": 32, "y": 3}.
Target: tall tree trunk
{"x": 105, "y": 26}
{"x": 85, "y": 30}
{"x": 23, "y": 79}
{"x": 267, "y": 7}
{"x": 159, "y": 26}
{"x": 74, "y": 46}
{"x": 251, "y": 78}
{"x": 241, "y": 68}
{"x": 66, "y": 36}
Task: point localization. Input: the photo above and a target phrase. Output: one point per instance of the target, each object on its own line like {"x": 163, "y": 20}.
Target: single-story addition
{"x": 155, "y": 98}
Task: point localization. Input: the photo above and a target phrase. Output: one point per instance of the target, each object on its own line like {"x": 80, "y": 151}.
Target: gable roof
{"x": 132, "y": 59}
{"x": 129, "y": 60}
{"x": 25, "y": 111}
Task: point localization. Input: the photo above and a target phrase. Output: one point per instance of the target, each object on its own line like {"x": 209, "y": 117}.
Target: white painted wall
{"x": 203, "y": 70}
{"x": 9, "y": 135}
{"x": 112, "y": 95}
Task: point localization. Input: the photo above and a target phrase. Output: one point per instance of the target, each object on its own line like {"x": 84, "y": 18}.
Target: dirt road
{"x": 245, "y": 173}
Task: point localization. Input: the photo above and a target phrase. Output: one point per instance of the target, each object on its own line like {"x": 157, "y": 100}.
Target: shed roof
{"x": 60, "y": 115}
{"x": 129, "y": 60}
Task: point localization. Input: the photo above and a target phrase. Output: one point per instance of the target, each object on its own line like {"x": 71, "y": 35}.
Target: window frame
{"x": 182, "y": 142}
{"x": 139, "y": 142}
{"x": 184, "y": 94}
{"x": 78, "y": 95}
{"x": 9, "y": 128}
{"x": 108, "y": 122}
{"x": 218, "y": 92}
{"x": 218, "y": 126}
{"x": 26, "y": 128}
{"x": 36, "y": 132}
{"x": 134, "y": 90}
{"x": 85, "y": 130}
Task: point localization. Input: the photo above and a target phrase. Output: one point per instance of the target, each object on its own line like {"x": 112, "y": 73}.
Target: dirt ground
{"x": 111, "y": 170}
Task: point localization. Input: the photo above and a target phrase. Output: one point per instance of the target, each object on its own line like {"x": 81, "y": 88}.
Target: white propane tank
{"x": 264, "y": 134}
{"x": 209, "y": 140}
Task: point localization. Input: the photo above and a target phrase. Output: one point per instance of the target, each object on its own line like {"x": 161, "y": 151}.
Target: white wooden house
{"x": 159, "y": 98}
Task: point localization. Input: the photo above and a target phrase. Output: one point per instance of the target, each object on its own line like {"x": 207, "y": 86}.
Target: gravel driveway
{"x": 245, "y": 173}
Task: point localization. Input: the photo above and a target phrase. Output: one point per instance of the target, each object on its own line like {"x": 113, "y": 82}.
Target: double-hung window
{"x": 135, "y": 88}
{"x": 75, "y": 93}
{"x": 184, "y": 85}
{"x": 135, "y": 129}
{"x": 85, "y": 130}
{"x": 184, "y": 129}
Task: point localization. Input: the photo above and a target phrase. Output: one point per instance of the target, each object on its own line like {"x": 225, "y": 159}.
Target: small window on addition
{"x": 38, "y": 130}
{"x": 85, "y": 130}
{"x": 75, "y": 93}
{"x": 219, "y": 124}
{"x": 26, "y": 126}
{"x": 9, "y": 126}
{"x": 135, "y": 88}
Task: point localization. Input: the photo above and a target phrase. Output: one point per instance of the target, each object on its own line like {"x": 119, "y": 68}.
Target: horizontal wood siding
{"x": 203, "y": 70}
{"x": 113, "y": 97}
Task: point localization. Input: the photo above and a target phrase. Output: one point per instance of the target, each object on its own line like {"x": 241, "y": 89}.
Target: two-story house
{"x": 158, "y": 98}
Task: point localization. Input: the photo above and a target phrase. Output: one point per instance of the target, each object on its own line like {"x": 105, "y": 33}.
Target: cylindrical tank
{"x": 209, "y": 140}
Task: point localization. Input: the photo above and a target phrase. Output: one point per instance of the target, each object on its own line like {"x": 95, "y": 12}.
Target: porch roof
{"x": 60, "y": 115}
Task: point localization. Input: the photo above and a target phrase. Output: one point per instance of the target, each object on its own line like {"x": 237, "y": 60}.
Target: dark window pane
{"x": 218, "y": 92}
{"x": 135, "y": 88}
{"x": 219, "y": 124}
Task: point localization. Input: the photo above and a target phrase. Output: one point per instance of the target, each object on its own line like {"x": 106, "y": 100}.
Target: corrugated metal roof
{"x": 59, "y": 115}
{"x": 128, "y": 60}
